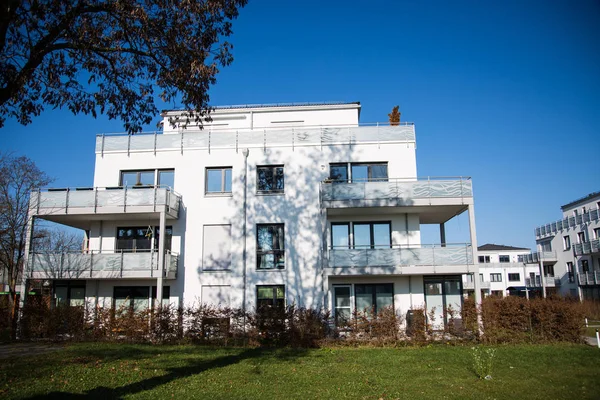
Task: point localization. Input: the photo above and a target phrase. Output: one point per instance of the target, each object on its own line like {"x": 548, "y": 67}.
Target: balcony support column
{"x": 476, "y": 281}
{"x": 27, "y": 252}
{"x": 161, "y": 256}
{"x": 443, "y": 234}
{"x": 542, "y": 274}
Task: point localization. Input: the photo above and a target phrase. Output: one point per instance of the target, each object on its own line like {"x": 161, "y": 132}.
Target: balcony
{"x": 591, "y": 247}
{"x": 471, "y": 285}
{"x": 589, "y": 278}
{"x": 295, "y": 136}
{"x": 533, "y": 258}
{"x": 77, "y": 207}
{"x": 568, "y": 222}
{"x": 439, "y": 199}
{"x": 104, "y": 265}
{"x": 424, "y": 259}
{"x": 549, "y": 281}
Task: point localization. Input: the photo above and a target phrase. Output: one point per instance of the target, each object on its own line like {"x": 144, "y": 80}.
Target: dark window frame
{"x": 223, "y": 190}
{"x": 131, "y": 288}
{"x": 373, "y": 295}
{"x": 511, "y": 276}
{"x": 119, "y": 242}
{"x": 484, "y": 259}
{"x": 371, "y": 234}
{"x": 69, "y": 285}
{"x": 274, "y": 176}
{"x": 277, "y": 302}
{"x": 370, "y": 171}
{"x": 495, "y": 277}
{"x": 503, "y": 258}
{"x": 278, "y": 253}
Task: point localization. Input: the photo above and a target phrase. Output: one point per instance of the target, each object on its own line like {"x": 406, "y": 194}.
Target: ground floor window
{"x": 270, "y": 296}
{"x": 342, "y": 304}
{"x": 69, "y": 293}
{"x": 442, "y": 292}
{"x": 372, "y": 298}
{"x": 137, "y": 298}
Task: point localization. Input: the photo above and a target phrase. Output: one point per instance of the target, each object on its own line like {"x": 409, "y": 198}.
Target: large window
{"x": 68, "y": 293}
{"x": 218, "y": 180}
{"x": 514, "y": 277}
{"x": 139, "y": 238}
{"x": 549, "y": 270}
{"x": 270, "y": 248}
{"x": 374, "y": 297}
{"x": 358, "y": 172}
{"x": 504, "y": 258}
{"x": 570, "y": 272}
{"x": 495, "y": 277}
{"x": 484, "y": 259}
{"x": 270, "y": 179}
{"x": 365, "y": 235}
{"x": 270, "y": 296}
{"x": 137, "y": 298}
{"x": 343, "y": 308}
{"x": 546, "y": 246}
{"x": 147, "y": 178}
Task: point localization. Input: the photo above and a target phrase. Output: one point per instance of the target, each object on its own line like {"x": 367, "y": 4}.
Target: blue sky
{"x": 506, "y": 92}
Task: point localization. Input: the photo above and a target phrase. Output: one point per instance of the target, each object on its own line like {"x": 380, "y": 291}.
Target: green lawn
{"x": 438, "y": 371}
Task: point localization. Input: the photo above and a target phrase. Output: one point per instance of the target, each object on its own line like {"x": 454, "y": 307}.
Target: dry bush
{"x": 591, "y": 309}
{"x": 382, "y": 328}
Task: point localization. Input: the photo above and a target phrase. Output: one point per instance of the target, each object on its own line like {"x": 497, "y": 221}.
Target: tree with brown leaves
{"x": 111, "y": 56}
{"x": 394, "y": 116}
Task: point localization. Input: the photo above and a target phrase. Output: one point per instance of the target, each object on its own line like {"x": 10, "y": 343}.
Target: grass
{"x": 439, "y": 371}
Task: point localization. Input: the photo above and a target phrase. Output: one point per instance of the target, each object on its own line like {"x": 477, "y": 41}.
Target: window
{"x": 218, "y": 180}
{"x": 270, "y": 249}
{"x": 140, "y": 238}
{"x": 514, "y": 277}
{"x": 270, "y": 296}
{"x": 484, "y": 259}
{"x": 137, "y": 178}
{"x": 597, "y": 233}
{"x": 216, "y": 247}
{"x": 270, "y": 179}
{"x": 343, "y": 309}
{"x": 373, "y": 235}
{"x": 570, "y": 272}
{"x": 338, "y": 173}
{"x": 580, "y": 237}
{"x": 133, "y": 298}
{"x": 360, "y": 172}
{"x": 340, "y": 235}
{"x": 585, "y": 266}
{"x": 69, "y": 293}
{"x": 567, "y": 242}
{"x": 546, "y": 246}
{"x": 504, "y": 259}
{"x": 166, "y": 178}
{"x": 549, "y": 270}
{"x": 495, "y": 277}
{"x": 373, "y": 298}
{"x": 369, "y": 172}
{"x": 480, "y": 277}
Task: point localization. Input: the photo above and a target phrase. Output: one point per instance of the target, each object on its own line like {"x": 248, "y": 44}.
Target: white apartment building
{"x": 574, "y": 243}
{"x": 267, "y": 205}
{"x": 505, "y": 271}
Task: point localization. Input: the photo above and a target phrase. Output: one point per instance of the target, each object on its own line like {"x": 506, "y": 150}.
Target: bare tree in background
{"x": 18, "y": 177}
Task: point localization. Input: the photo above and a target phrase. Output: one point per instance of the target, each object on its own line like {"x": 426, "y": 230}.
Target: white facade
{"x": 215, "y": 220}
{"x": 503, "y": 272}
{"x": 574, "y": 242}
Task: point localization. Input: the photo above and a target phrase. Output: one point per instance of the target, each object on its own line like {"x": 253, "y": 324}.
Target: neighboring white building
{"x": 503, "y": 272}
{"x": 574, "y": 246}
{"x": 266, "y": 205}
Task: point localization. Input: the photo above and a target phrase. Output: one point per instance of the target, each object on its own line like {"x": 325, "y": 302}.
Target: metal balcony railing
{"x": 223, "y": 138}
{"x": 398, "y": 189}
{"x": 537, "y": 256}
{"x": 101, "y": 265}
{"x": 589, "y": 278}
{"x": 568, "y": 222}
{"x": 591, "y": 247}
{"x": 423, "y": 255}
{"x": 98, "y": 200}
{"x": 471, "y": 285}
{"x": 549, "y": 281}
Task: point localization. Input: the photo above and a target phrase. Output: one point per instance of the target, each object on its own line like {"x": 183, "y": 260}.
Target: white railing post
{"x": 125, "y": 199}
{"x": 67, "y": 201}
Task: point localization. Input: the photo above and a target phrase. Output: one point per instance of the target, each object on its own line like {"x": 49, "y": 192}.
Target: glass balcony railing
{"x": 424, "y": 255}
{"x": 591, "y": 247}
{"x": 398, "y": 189}
{"x": 537, "y": 256}
{"x": 294, "y": 136}
{"x": 589, "y": 278}
{"x": 105, "y": 200}
{"x": 104, "y": 265}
